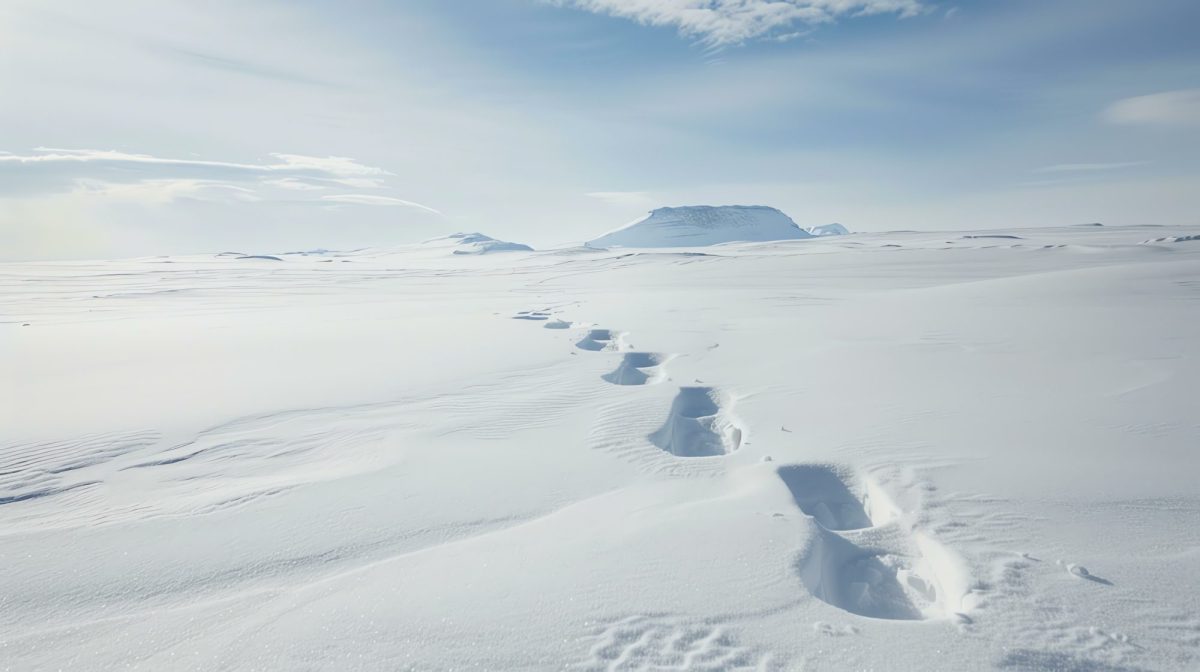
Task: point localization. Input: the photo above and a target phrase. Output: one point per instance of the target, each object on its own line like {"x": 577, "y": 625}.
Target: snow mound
{"x": 476, "y": 243}
{"x": 1172, "y": 239}
{"x": 834, "y": 229}
{"x": 700, "y": 225}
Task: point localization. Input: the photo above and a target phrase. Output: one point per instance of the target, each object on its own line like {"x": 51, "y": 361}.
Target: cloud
{"x": 53, "y": 169}
{"x": 725, "y": 22}
{"x": 294, "y": 184}
{"x": 167, "y": 191}
{"x": 1087, "y": 167}
{"x": 154, "y": 180}
{"x": 372, "y": 199}
{"x": 1169, "y": 108}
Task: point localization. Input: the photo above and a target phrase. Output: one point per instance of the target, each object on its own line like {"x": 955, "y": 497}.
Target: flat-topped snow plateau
{"x": 700, "y": 225}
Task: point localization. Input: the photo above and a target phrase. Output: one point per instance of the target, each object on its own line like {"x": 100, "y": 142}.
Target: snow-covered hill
{"x": 701, "y": 225}
{"x": 475, "y": 243}
{"x": 834, "y": 229}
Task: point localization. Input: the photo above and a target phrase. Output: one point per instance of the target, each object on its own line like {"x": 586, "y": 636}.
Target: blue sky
{"x": 137, "y": 127}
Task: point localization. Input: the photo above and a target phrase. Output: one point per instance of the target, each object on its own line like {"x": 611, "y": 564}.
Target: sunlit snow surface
{"x": 905, "y": 451}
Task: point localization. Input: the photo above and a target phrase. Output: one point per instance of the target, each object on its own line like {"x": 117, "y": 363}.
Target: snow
{"x": 890, "y": 451}
{"x": 267, "y": 257}
{"x": 1173, "y": 239}
{"x": 702, "y": 225}
{"x": 475, "y": 243}
{"x": 834, "y": 229}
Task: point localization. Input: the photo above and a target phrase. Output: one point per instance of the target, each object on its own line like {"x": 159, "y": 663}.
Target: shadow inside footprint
{"x": 820, "y": 492}
{"x": 697, "y": 425}
{"x": 863, "y": 582}
{"x": 637, "y": 368}
{"x": 596, "y": 340}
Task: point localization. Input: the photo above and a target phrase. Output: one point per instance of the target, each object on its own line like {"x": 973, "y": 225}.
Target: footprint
{"x": 599, "y": 339}
{"x": 698, "y": 425}
{"x": 539, "y": 315}
{"x": 836, "y": 499}
{"x": 864, "y": 560}
{"x": 557, "y": 324}
{"x": 895, "y": 579}
{"x": 638, "y": 368}
{"x": 820, "y": 492}
{"x": 861, "y": 581}
{"x": 1081, "y": 572}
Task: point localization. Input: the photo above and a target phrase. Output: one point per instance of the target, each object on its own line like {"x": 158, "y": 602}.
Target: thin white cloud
{"x": 1169, "y": 108}
{"x": 725, "y": 22}
{"x": 1088, "y": 167}
{"x": 372, "y": 199}
{"x": 294, "y": 184}
{"x": 52, "y": 168}
{"x": 152, "y": 179}
{"x": 151, "y": 192}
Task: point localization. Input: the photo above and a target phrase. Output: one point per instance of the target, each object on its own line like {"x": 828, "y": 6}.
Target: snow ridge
{"x": 476, "y": 243}
{"x": 834, "y": 229}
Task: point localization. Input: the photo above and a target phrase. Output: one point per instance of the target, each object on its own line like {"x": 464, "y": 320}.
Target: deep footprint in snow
{"x": 821, "y": 492}
{"x": 699, "y": 425}
{"x": 863, "y": 560}
{"x": 598, "y": 339}
{"x": 638, "y": 368}
{"x": 863, "y": 581}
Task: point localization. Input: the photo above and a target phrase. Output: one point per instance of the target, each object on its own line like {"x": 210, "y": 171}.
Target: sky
{"x": 147, "y": 127}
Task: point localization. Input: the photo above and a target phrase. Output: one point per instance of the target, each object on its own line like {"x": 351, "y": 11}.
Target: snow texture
{"x": 888, "y": 451}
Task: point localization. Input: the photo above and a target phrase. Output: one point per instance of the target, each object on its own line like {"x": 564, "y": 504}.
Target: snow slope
{"x": 701, "y": 225}
{"x": 834, "y": 229}
{"x": 475, "y": 243}
{"x": 901, "y": 451}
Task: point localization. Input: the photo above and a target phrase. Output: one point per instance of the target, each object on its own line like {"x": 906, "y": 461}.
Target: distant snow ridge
{"x": 1172, "y": 239}
{"x": 701, "y": 225}
{"x": 834, "y": 229}
{"x": 477, "y": 243}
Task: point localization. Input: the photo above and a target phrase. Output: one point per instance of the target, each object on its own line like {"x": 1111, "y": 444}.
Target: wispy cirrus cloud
{"x": 1168, "y": 108}
{"x": 153, "y": 179}
{"x": 725, "y": 22}
{"x": 375, "y": 199}
{"x": 52, "y": 169}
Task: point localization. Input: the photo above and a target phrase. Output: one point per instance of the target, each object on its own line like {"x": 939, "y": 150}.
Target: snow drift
{"x": 834, "y": 229}
{"x": 476, "y": 243}
{"x": 700, "y": 225}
